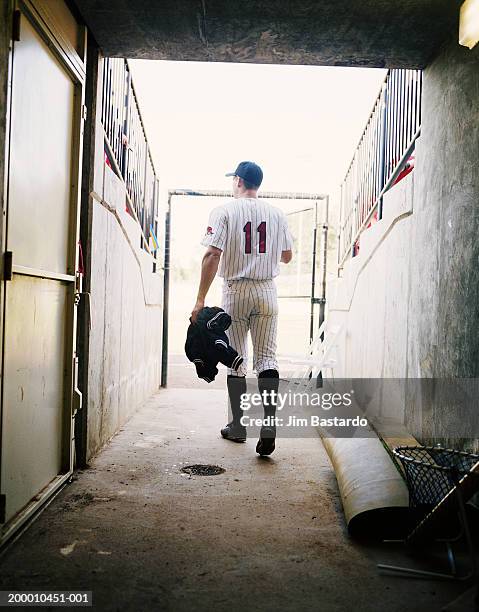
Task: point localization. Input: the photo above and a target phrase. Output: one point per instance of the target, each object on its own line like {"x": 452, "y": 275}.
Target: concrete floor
{"x": 267, "y": 534}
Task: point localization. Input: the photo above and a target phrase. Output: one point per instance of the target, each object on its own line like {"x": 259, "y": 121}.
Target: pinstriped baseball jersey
{"x": 252, "y": 234}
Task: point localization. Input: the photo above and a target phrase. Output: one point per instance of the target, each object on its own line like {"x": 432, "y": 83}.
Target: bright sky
{"x": 300, "y": 123}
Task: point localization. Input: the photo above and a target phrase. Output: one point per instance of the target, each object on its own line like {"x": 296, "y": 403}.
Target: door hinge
{"x": 16, "y": 20}
{"x": 8, "y": 265}
{"x": 84, "y": 112}
{"x": 3, "y": 505}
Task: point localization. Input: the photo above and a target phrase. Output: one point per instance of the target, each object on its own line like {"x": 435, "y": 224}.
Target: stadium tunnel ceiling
{"x": 370, "y": 33}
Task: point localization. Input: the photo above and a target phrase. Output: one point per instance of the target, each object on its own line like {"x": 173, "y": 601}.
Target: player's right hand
{"x": 194, "y": 313}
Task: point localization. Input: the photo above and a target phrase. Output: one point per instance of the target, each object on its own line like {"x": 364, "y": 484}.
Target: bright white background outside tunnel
{"x": 300, "y": 123}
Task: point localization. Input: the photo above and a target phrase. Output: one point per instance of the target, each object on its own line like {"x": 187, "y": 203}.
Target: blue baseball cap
{"x": 249, "y": 172}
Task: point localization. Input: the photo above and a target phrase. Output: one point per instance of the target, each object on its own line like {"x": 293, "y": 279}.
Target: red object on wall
{"x": 408, "y": 168}
{"x": 374, "y": 218}
{"x": 107, "y": 160}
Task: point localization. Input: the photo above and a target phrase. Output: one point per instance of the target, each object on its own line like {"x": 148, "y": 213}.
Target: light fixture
{"x": 469, "y": 24}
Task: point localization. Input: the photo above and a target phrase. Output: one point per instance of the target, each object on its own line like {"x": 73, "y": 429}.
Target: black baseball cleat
{"x": 266, "y": 443}
{"x": 235, "y": 433}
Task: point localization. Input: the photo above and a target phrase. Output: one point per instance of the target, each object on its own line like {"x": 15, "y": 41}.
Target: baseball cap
{"x": 249, "y": 172}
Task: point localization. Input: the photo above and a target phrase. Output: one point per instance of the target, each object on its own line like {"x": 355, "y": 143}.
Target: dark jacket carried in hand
{"x": 207, "y": 344}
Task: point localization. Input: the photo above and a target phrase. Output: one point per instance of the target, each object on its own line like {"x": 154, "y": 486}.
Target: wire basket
{"x": 432, "y": 472}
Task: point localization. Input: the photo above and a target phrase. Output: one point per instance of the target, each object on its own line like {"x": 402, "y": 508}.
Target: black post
{"x": 313, "y": 273}
{"x": 322, "y": 299}
{"x": 382, "y": 160}
{"x": 125, "y": 127}
{"x": 166, "y": 296}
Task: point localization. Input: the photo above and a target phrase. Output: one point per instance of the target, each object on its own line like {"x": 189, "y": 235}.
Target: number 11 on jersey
{"x": 261, "y": 229}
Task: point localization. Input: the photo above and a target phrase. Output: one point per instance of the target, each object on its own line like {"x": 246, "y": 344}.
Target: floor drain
{"x": 203, "y": 470}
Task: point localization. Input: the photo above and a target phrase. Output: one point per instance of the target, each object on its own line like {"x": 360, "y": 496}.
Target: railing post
{"x": 154, "y": 219}
{"x": 353, "y": 225}
{"x": 166, "y": 296}
{"x": 313, "y": 273}
{"x": 382, "y": 165}
{"x": 324, "y": 262}
{"x": 354, "y": 207}
{"x": 341, "y": 228}
{"x": 146, "y": 229}
{"x": 125, "y": 139}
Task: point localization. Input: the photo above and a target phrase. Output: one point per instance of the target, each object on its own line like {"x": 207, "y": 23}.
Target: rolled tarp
{"x": 373, "y": 492}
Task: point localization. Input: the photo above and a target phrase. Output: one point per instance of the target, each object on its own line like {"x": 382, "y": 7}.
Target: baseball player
{"x": 247, "y": 238}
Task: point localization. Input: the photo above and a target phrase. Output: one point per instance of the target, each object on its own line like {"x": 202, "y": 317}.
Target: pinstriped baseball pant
{"x": 253, "y": 306}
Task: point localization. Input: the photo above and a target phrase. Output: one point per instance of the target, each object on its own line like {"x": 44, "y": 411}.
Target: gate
{"x": 305, "y": 277}
{"x": 314, "y": 261}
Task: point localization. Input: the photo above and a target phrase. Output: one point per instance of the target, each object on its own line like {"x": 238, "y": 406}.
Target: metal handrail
{"x": 131, "y": 208}
{"x": 391, "y": 181}
{"x": 384, "y": 148}
{"x": 127, "y": 145}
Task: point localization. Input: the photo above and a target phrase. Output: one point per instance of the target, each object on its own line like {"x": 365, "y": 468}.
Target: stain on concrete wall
{"x": 445, "y": 248}
{"x": 444, "y": 273}
{"x": 126, "y": 316}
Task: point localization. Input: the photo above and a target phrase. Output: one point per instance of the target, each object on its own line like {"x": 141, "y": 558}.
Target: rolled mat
{"x": 374, "y": 495}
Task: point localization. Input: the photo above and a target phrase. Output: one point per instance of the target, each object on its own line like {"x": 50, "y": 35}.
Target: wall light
{"x": 469, "y": 24}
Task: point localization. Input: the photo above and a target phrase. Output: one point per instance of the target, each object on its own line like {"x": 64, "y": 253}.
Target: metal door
{"x": 42, "y": 230}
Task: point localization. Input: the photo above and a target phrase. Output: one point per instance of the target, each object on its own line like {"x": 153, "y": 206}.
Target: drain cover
{"x": 203, "y": 470}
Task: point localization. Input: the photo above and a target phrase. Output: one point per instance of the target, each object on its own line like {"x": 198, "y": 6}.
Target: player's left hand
{"x": 194, "y": 313}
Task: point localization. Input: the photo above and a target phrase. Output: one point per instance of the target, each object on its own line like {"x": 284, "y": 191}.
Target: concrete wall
{"x": 370, "y": 300}
{"x": 409, "y": 302}
{"x": 125, "y": 311}
{"x": 444, "y": 276}
{"x": 445, "y": 246}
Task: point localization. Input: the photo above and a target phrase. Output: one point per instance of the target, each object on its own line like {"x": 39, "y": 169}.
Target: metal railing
{"x": 384, "y": 148}
{"x": 127, "y": 144}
